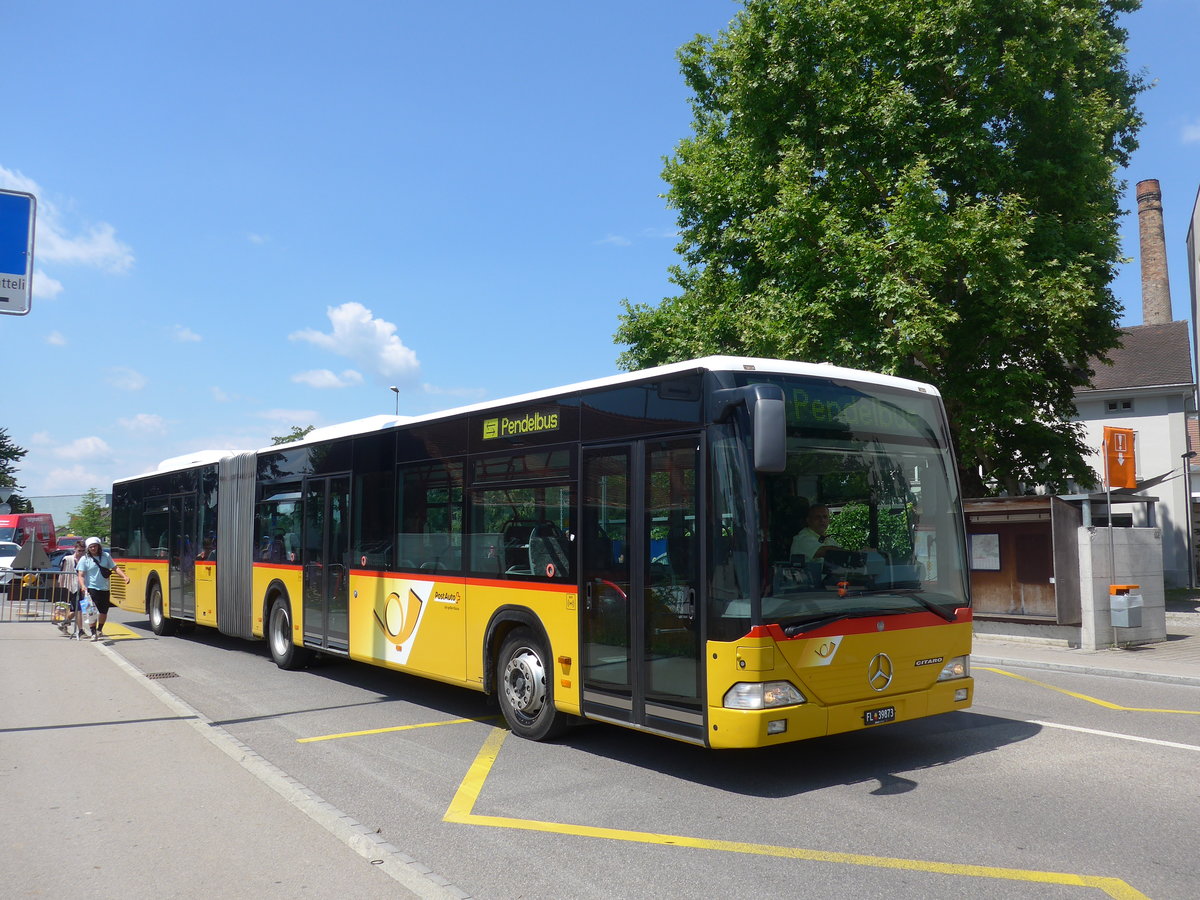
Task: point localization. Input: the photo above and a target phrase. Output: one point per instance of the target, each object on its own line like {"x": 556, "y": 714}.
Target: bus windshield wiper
{"x": 916, "y": 594}
{"x": 814, "y": 624}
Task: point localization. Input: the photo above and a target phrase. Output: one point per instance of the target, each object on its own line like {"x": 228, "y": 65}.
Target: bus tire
{"x": 159, "y": 623}
{"x": 525, "y": 687}
{"x": 279, "y": 636}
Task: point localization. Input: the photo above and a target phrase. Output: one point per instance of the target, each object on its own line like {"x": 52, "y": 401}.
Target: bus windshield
{"x": 865, "y": 520}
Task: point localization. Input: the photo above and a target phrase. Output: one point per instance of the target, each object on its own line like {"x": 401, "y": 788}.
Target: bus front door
{"x": 640, "y": 578}
{"x": 325, "y": 546}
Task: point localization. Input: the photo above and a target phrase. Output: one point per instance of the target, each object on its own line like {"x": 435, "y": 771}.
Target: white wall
{"x": 1160, "y": 442}
{"x": 1135, "y": 552}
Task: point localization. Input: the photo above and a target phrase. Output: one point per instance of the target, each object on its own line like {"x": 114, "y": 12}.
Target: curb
{"x": 419, "y": 879}
{"x": 1160, "y": 677}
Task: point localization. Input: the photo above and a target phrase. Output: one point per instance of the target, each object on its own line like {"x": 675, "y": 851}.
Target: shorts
{"x": 100, "y": 598}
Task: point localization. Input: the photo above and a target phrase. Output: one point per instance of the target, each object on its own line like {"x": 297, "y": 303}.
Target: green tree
{"x": 851, "y": 528}
{"x": 10, "y": 455}
{"x": 925, "y": 188}
{"x": 296, "y": 434}
{"x": 92, "y": 518}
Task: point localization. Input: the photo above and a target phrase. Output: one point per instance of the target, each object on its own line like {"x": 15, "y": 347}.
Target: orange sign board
{"x": 1120, "y": 464}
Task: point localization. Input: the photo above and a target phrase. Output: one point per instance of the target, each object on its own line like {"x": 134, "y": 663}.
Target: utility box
{"x": 1125, "y": 606}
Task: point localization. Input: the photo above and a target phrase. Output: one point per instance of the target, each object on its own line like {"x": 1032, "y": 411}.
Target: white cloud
{"x": 126, "y": 379}
{"x": 289, "y": 416}
{"x": 615, "y": 240}
{"x": 56, "y": 339}
{"x": 660, "y": 232}
{"x": 184, "y": 335}
{"x": 146, "y": 423}
{"x": 473, "y": 394}
{"x": 257, "y": 238}
{"x": 323, "y": 378}
{"x": 96, "y": 246}
{"x": 219, "y": 395}
{"x": 83, "y": 448}
{"x": 45, "y": 287}
{"x": 68, "y": 481}
{"x": 1191, "y": 132}
{"x": 370, "y": 342}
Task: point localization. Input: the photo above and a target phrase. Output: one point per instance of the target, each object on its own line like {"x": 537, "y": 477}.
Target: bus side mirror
{"x": 770, "y": 435}
{"x": 768, "y": 421}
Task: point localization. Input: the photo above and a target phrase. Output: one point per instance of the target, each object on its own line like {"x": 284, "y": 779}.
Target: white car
{"x": 8, "y": 552}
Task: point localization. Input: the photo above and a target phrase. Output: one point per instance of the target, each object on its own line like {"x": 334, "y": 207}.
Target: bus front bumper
{"x": 744, "y": 728}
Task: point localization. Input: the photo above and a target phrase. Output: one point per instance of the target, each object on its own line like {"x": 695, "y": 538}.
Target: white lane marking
{"x": 1113, "y": 734}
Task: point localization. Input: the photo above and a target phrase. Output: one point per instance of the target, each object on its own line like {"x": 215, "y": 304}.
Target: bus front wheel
{"x": 279, "y": 635}
{"x": 526, "y": 687}
{"x": 159, "y": 623}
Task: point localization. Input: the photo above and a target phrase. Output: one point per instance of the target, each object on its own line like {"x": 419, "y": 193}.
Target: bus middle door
{"x": 325, "y": 562}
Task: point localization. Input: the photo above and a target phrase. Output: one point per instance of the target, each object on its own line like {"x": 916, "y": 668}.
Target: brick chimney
{"x": 1156, "y": 289}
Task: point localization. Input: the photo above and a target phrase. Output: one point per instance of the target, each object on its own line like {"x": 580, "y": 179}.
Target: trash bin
{"x": 1125, "y": 606}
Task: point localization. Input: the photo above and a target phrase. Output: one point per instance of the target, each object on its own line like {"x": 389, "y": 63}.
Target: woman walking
{"x": 94, "y": 570}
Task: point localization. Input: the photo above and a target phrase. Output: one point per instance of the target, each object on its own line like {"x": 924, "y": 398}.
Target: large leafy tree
{"x": 10, "y": 455}
{"x": 921, "y": 187}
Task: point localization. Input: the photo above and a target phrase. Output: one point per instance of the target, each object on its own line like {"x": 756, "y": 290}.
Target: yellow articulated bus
{"x": 731, "y": 552}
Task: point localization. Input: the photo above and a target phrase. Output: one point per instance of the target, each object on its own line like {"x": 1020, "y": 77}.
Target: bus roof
{"x": 706, "y": 363}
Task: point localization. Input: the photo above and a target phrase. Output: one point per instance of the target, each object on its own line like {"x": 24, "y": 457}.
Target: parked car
{"x": 68, "y": 542}
{"x": 8, "y": 552}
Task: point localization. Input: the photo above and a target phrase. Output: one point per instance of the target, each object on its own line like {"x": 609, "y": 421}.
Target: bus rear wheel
{"x": 159, "y": 623}
{"x": 279, "y": 636}
{"x": 526, "y": 688}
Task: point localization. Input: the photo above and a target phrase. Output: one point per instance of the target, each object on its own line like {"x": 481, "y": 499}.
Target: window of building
{"x": 1118, "y": 406}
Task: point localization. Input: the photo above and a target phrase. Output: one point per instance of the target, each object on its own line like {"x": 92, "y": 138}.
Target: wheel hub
{"x": 525, "y": 683}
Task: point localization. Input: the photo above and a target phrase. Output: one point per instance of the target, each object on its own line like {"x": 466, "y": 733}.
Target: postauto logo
{"x": 530, "y": 423}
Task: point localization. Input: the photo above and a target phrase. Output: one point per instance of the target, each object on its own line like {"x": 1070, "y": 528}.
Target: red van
{"x": 20, "y": 527}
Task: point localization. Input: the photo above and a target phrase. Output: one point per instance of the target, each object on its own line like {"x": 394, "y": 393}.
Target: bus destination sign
{"x": 513, "y": 426}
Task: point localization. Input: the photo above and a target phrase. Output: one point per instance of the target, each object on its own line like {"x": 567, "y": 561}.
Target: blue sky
{"x": 255, "y": 215}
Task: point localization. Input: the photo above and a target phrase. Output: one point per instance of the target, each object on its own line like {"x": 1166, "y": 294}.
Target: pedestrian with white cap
{"x": 94, "y": 571}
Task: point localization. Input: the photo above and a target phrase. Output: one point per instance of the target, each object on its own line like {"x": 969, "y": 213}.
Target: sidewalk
{"x": 111, "y": 787}
{"x": 1174, "y": 661}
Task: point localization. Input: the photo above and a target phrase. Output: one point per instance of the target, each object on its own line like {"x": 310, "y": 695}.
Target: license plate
{"x": 879, "y": 716}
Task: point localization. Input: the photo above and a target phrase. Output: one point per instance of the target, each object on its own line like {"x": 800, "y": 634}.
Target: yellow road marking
{"x": 347, "y": 734}
{"x": 1098, "y": 702}
{"x": 117, "y": 632}
{"x": 462, "y": 807}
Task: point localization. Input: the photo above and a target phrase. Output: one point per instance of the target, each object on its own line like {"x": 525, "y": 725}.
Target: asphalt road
{"x": 1052, "y": 785}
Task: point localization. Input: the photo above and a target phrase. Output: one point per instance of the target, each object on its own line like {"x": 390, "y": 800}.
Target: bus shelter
{"x": 1041, "y": 566}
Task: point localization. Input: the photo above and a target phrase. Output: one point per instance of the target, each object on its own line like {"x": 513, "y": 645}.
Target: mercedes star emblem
{"x": 879, "y": 672}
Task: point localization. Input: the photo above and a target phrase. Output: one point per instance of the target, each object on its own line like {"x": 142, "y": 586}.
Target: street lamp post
{"x": 395, "y": 390}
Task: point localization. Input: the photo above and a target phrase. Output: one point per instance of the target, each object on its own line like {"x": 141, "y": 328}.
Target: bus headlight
{"x": 762, "y": 695}
{"x": 958, "y": 667}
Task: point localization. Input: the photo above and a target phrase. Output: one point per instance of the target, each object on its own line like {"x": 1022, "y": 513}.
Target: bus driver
{"x": 811, "y": 541}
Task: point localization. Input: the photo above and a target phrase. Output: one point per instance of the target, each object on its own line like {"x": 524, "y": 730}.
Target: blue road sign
{"x": 17, "y": 213}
